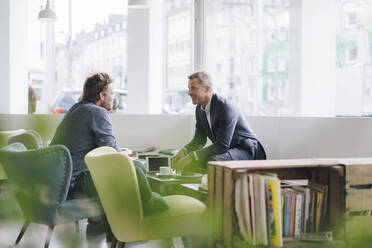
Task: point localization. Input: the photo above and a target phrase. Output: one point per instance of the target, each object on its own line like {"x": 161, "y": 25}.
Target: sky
{"x": 85, "y": 14}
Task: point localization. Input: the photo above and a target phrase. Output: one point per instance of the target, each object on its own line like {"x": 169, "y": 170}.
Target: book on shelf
{"x": 276, "y": 213}
{"x": 248, "y": 209}
{"x": 267, "y": 210}
{"x": 321, "y": 192}
{"x": 288, "y": 213}
{"x": 298, "y": 214}
{"x": 239, "y": 208}
{"x": 251, "y": 212}
{"x": 313, "y": 212}
{"x": 319, "y": 203}
{"x": 305, "y": 205}
{"x": 292, "y": 211}
{"x": 242, "y": 208}
{"x": 252, "y": 205}
{"x": 294, "y": 182}
{"x": 260, "y": 207}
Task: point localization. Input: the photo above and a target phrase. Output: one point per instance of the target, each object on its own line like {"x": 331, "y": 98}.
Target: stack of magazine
{"x": 267, "y": 209}
{"x": 304, "y": 208}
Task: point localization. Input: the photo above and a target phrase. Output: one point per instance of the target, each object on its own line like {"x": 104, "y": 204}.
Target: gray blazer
{"x": 229, "y": 130}
{"x": 85, "y": 127}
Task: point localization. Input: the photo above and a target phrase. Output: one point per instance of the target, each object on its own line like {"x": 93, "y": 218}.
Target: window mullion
{"x": 199, "y": 25}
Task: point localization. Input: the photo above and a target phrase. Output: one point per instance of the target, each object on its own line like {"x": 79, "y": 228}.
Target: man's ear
{"x": 208, "y": 87}
{"x": 101, "y": 95}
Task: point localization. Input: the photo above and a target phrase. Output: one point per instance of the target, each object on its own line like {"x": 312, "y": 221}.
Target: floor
{"x": 63, "y": 235}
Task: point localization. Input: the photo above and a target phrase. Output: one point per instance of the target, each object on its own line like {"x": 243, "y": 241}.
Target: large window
{"x": 282, "y": 57}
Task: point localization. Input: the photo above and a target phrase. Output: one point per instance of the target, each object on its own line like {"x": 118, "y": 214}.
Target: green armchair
{"x": 40, "y": 179}
{"x": 115, "y": 179}
{"x": 4, "y": 136}
{"x": 29, "y": 138}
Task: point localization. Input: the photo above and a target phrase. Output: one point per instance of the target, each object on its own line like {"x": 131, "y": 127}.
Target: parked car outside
{"x": 68, "y": 97}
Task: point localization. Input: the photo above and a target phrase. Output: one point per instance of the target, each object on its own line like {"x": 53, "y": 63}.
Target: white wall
{"x": 130, "y": 130}
{"x": 314, "y": 137}
{"x": 13, "y": 56}
{"x": 282, "y": 137}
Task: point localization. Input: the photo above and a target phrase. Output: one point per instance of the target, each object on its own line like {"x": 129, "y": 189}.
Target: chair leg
{"x": 177, "y": 242}
{"x": 169, "y": 242}
{"x": 23, "y": 230}
{"x": 194, "y": 241}
{"x": 122, "y": 245}
{"x": 77, "y": 226}
{"x": 186, "y": 241}
{"x": 49, "y": 236}
{"x": 114, "y": 241}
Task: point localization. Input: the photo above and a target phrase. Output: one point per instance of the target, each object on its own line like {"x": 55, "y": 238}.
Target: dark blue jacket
{"x": 229, "y": 130}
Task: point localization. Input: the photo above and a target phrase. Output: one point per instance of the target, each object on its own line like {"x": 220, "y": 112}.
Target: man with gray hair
{"x": 222, "y": 123}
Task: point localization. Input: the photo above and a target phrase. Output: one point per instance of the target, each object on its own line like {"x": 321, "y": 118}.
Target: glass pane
{"x": 354, "y": 53}
{"x": 247, "y": 51}
{"x": 87, "y": 39}
{"x": 179, "y": 59}
{"x": 98, "y": 44}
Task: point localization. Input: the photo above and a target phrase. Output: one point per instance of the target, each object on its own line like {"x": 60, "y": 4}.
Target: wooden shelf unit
{"x": 346, "y": 180}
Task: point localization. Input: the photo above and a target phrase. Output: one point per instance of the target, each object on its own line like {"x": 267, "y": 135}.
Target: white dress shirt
{"x": 207, "y": 111}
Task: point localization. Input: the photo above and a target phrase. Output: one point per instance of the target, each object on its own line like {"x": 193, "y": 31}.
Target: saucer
{"x": 163, "y": 175}
{"x": 195, "y": 175}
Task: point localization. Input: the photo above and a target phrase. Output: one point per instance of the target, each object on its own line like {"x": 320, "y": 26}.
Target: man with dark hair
{"x": 86, "y": 126}
{"x": 222, "y": 123}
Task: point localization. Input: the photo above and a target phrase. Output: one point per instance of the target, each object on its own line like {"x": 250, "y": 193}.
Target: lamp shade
{"x": 138, "y": 4}
{"x": 47, "y": 14}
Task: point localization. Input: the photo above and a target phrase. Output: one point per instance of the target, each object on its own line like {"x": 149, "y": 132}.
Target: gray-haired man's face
{"x": 199, "y": 93}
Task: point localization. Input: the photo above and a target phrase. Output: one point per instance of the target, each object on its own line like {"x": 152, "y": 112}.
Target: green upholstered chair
{"x": 29, "y": 138}
{"x": 114, "y": 176}
{"x": 4, "y": 136}
{"x": 40, "y": 180}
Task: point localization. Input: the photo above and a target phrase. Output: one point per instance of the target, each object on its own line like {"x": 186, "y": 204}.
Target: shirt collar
{"x": 207, "y": 108}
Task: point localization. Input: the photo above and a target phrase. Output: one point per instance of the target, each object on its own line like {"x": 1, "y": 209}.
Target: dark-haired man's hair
{"x": 94, "y": 85}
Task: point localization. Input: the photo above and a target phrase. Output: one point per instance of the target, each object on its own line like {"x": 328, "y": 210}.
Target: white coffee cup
{"x": 165, "y": 170}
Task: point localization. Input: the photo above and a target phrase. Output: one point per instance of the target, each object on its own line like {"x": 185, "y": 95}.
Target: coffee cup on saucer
{"x": 165, "y": 170}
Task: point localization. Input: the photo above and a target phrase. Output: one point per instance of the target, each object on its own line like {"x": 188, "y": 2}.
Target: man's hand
{"x": 180, "y": 164}
{"x": 180, "y": 154}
